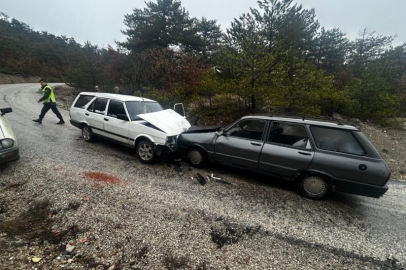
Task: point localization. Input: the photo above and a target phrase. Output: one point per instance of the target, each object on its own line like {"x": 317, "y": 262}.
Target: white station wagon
{"x": 133, "y": 121}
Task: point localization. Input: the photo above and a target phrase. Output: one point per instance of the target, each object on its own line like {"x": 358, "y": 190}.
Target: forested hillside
{"x": 274, "y": 58}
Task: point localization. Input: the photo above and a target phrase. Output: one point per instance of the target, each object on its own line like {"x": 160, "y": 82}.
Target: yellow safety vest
{"x": 51, "y": 97}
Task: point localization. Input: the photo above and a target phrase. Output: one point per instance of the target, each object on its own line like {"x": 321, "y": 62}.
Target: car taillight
{"x": 389, "y": 176}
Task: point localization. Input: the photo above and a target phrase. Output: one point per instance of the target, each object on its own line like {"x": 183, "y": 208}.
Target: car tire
{"x": 314, "y": 187}
{"x": 197, "y": 157}
{"x": 87, "y": 134}
{"x": 145, "y": 151}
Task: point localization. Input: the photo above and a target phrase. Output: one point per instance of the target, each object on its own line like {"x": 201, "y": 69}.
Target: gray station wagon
{"x": 319, "y": 155}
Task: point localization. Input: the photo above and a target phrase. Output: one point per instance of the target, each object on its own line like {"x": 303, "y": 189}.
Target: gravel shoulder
{"x": 117, "y": 213}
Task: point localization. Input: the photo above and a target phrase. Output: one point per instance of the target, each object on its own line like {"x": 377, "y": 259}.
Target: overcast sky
{"x": 100, "y": 21}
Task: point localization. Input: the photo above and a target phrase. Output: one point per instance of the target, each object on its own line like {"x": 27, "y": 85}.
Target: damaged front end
{"x": 171, "y": 143}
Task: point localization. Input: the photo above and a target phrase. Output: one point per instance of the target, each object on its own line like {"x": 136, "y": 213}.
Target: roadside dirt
{"x": 65, "y": 95}
{"x": 9, "y": 79}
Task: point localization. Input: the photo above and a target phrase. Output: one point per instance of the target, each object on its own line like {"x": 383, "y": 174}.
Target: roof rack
{"x": 309, "y": 117}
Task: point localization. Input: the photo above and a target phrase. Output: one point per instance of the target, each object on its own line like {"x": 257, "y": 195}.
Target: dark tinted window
{"x": 82, "y": 101}
{"x": 288, "y": 134}
{"x": 115, "y": 108}
{"x": 336, "y": 140}
{"x": 140, "y": 107}
{"x": 248, "y": 129}
{"x": 98, "y": 106}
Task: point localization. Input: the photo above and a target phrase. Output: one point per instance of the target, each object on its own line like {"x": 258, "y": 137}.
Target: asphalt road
{"x": 285, "y": 230}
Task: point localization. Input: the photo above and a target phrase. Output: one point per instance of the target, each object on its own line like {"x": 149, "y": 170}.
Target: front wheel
{"x": 314, "y": 187}
{"x": 145, "y": 151}
{"x": 87, "y": 134}
{"x": 197, "y": 157}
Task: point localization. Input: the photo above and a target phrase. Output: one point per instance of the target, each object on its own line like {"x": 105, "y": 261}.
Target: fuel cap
{"x": 363, "y": 167}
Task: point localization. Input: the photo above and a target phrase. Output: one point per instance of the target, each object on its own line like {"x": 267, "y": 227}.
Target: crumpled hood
{"x": 168, "y": 121}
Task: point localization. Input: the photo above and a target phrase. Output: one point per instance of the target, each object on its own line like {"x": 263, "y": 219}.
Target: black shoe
{"x": 61, "y": 122}
{"x": 39, "y": 121}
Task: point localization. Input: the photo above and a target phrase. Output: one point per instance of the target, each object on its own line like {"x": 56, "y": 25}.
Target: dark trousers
{"x": 47, "y": 107}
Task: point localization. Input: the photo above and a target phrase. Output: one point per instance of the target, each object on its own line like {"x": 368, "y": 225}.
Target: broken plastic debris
{"x": 36, "y": 259}
{"x": 200, "y": 179}
{"x": 218, "y": 179}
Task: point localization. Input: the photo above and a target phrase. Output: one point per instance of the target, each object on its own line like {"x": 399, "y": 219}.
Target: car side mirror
{"x": 221, "y": 133}
{"x": 6, "y": 110}
{"x": 178, "y": 107}
{"x": 122, "y": 117}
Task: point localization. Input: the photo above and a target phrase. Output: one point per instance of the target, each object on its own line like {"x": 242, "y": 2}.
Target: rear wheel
{"x": 314, "y": 187}
{"x": 197, "y": 157}
{"x": 87, "y": 134}
{"x": 145, "y": 151}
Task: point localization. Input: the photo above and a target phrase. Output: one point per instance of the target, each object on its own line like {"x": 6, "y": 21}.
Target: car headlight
{"x": 171, "y": 139}
{"x": 6, "y": 143}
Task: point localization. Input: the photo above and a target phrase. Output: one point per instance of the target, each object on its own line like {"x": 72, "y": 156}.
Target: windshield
{"x": 140, "y": 107}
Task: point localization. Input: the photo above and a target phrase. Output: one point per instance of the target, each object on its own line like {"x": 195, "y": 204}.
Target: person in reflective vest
{"x": 49, "y": 101}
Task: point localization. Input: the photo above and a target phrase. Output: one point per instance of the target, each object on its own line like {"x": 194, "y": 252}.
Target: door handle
{"x": 256, "y": 144}
{"x": 105, "y": 119}
{"x": 305, "y": 153}
{"x": 86, "y": 114}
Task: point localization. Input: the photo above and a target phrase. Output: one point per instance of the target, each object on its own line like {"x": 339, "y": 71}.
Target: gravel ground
{"x": 76, "y": 205}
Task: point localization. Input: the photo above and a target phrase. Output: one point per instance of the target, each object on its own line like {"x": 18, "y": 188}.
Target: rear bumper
{"x": 9, "y": 155}
{"x": 360, "y": 188}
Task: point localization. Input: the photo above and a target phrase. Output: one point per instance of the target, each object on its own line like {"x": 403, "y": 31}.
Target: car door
{"x": 95, "y": 114}
{"x": 241, "y": 144}
{"x": 287, "y": 149}
{"x": 117, "y": 129}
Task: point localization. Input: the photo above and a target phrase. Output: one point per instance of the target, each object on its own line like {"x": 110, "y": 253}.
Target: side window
{"x": 248, "y": 129}
{"x": 82, "y": 101}
{"x": 289, "y": 134}
{"x": 115, "y": 108}
{"x": 336, "y": 140}
{"x": 98, "y": 106}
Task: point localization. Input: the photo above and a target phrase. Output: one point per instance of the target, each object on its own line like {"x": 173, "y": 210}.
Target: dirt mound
{"x": 10, "y": 79}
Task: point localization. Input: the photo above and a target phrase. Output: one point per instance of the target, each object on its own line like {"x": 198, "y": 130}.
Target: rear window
{"x": 82, "y": 101}
{"x": 337, "y": 140}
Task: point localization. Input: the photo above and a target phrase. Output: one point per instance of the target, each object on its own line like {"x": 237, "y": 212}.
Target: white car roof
{"x": 116, "y": 97}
